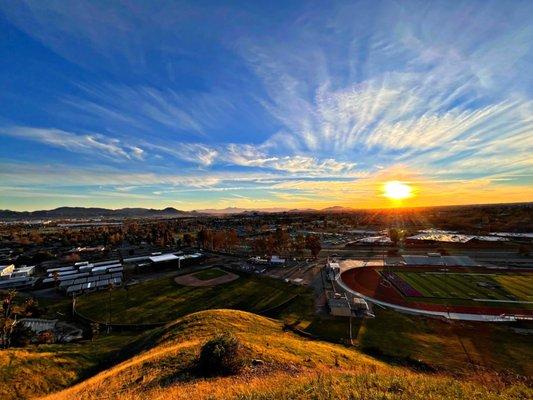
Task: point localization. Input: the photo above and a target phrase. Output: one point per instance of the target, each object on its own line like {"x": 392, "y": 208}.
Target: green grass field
{"x": 208, "y": 274}
{"x": 162, "y": 300}
{"x": 495, "y": 288}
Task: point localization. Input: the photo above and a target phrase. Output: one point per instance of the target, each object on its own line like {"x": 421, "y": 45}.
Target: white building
{"x": 23, "y": 271}
{"x": 275, "y": 260}
{"x": 375, "y": 240}
{"x": 6, "y": 271}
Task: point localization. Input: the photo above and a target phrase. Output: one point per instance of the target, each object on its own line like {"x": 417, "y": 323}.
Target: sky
{"x": 214, "y": 104}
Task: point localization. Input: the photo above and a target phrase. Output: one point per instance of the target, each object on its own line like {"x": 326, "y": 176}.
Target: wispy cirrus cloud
{"x": 196, "y": 153}
{"x": 93, "y": 144}
{"x": 409, "y": 98}
{"x": 144, "y": 107}
{"x": 319, "y": 104}
{"x": 257, "y": 156}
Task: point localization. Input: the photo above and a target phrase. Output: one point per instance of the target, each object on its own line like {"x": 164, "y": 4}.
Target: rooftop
{"x": 163, "y": 258}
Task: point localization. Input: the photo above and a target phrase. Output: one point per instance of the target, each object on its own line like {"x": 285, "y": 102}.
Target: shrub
{"x": 21, "y": 335}
{"x": 222, "y": 355}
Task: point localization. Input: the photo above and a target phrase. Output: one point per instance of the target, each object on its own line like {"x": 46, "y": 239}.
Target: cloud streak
{"x": 319, "y": 104}
{"x": 92, "y": 144}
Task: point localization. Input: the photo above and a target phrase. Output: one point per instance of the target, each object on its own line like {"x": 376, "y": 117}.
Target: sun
{"x": 397, "y": 190}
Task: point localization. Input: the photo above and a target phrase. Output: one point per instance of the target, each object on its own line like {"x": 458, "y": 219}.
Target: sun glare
{"x": 396, "y": 190}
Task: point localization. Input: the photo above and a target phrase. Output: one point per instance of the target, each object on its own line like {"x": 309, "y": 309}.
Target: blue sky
{"x": 264, "y": 104}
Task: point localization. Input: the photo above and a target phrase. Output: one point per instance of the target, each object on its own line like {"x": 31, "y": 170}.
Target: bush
{"x": 21, "y": 336}
{"x": 222, "y": 355}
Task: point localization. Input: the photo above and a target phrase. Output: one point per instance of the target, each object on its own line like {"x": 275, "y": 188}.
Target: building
{"x": 375, "y": 240}
{"x": 6, "y": 271}
{"x": 277, "y": 261}
{"x": 23, "y": 271}
{"x": 16, "y": 278}
{"x": 435, "y": 259}
{"x": 62, "y": 332}
{"x": 169, "y": 257}
{"x": 333, "y": 270}
{"x": 258, "y": 260}
{"x": 437, "y": 236}
{"x": 339, "y": 305}
{"x": 360, "y": 305}
{"x": 22, "y": 282}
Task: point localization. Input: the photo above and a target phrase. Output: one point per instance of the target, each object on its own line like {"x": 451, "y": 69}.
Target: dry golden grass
{"x": 293, "y": 367}
{"x": 37, "y": 370}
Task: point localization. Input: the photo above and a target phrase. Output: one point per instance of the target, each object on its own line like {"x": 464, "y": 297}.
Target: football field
{"x": 491, "y": 287}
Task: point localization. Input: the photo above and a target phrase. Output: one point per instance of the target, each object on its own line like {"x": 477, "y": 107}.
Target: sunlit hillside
{"x": 281, "y": 365}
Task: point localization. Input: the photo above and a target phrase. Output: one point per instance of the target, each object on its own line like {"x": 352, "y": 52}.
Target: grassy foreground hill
{"x": 40, "y": 369}
{"x": 163, "y": 366}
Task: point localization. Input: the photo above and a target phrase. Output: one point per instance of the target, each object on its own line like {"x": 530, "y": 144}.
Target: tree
{"x": 232, "y": 239}
{"x": 46, "y": 337}
{"x": 259, "y": 246}
{"x": 95, "y": 330}
{"x": 7, "y": 319}
{"x": 523, "y": 250}
{"x": 73, "y": 258}
{"x": 312, "y": 242}
{"x": 55, "y": 276}
{"x": 187, "y": 239}
{"x": 21, "y": 335}
{"x": 281, "y": 241}
{"x": 205, "y": 238}
{"x": 219, "y": 240}
{"x": 394, "y": 236}
{"x": 298, "y": 245}
{"x": 11, "y": 332}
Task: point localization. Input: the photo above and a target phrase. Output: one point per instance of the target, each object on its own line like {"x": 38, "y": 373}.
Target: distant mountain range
{"x": 170, "y": 212}
{"x": 94, "y": 212}
{"x": 237, "y": 210}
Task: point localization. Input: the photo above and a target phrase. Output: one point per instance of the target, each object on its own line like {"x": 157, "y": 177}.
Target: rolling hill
{"x": 282, "y": 365}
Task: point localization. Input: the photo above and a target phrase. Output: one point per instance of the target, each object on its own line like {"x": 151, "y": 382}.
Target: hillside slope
{"x": 291, "y": 367}
{"x": 40, "y": 369}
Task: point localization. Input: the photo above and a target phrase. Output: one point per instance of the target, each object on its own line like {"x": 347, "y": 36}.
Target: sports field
{"x": 162, "y": 299}
{"x": 500, "y": 288}
{"x": 458, "y": 291}
{"x": 208, "y": 274}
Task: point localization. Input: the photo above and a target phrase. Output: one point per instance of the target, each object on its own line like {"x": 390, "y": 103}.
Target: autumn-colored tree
{"x": 187, "y": 239}
{"x": 205, "y": 238}
{"x": 11, "y": 332}
{"x": 394, "y": 235}
{"x": 259, "y": 246}
{"x": 312, "y": 242}
{"x": 298, "y": 245}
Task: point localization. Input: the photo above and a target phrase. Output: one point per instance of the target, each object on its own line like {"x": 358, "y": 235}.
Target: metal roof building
{"x": 433, "y": 260}
{"x": 164, "y": 258}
